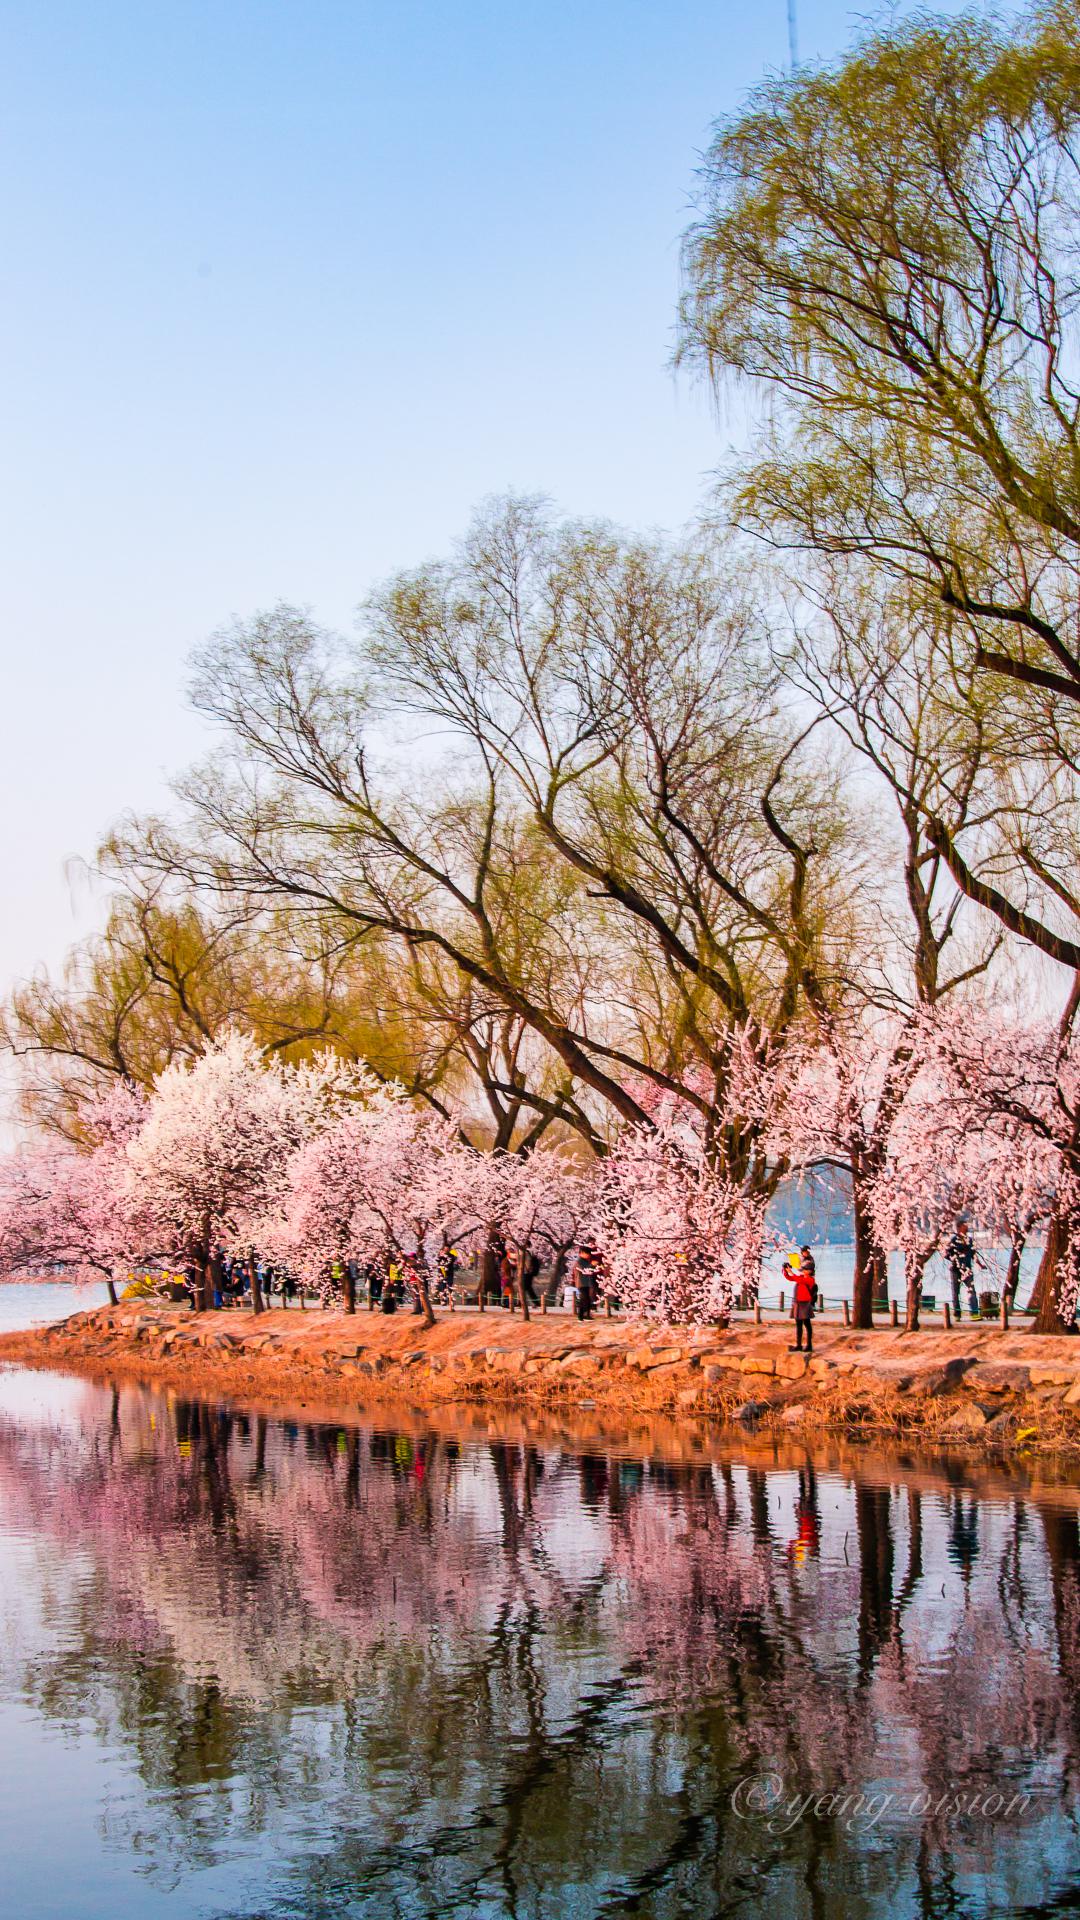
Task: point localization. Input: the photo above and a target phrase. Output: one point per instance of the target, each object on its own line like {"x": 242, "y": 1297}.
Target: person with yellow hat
{"x": 804, "y": 1285}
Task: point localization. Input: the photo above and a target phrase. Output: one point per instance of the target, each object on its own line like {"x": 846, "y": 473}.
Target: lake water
{"x": 34, "y": 1303}
{"x": 836, "y": 1269}
{"x": 262, "y": 1667}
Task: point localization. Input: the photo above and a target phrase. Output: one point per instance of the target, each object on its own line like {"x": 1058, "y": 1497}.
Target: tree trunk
{"x": 199, "y": 1260}
{"x": 879, "y": 1268}
{"x": 867, "y": 1261}
{"x": 217, "y": 1279}
{"x": 425, "y": 1300}
{"x": 489, "y": 1275}
{"x": 113, "y": 1301}
{"x": 520, "y": 1264}
{"x": 1012, "y": 1277}
{"x": 349, "y": 1287}
{"x": 915, "y": 1266}
{"x": 256, "y": 1290}
{"x": 1048, "y": 1318}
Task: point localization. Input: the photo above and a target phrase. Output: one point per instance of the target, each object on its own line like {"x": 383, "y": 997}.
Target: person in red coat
{"x": 801, "y": 1278}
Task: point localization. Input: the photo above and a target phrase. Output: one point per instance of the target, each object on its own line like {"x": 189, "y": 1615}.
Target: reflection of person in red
{"x": 807, "y": 1538}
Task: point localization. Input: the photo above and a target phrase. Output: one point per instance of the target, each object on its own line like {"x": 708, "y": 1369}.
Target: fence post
{"x": 1004, "y": 1313}
{"x": 894, "y": 1318}
{"x": 781, "y": 1299}
{"x": 847, "y": 1312}
{"x": 757, "y": 1313}
{"x": 947, "y": 1312}
{"x": 543, "y": 1302}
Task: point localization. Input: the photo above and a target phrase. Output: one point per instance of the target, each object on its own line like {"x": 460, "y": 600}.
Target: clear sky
{"x": 289, "y": 286}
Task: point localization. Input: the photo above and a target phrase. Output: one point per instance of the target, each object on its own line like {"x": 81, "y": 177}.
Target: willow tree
{"x": 880, "y": 666}
{"x": 168, "y": 972}
{"x": 624, "y": 694}
{"x": 615, "y": 833}
{"x": 888, "y": 248}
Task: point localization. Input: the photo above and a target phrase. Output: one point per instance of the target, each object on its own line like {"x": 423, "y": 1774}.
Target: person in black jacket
{"x": 960, "y": 1257}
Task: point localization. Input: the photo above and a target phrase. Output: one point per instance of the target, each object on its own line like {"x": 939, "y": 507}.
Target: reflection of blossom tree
{"x": 503, "y": 1676}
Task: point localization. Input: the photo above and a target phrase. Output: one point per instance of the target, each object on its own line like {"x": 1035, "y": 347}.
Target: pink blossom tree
{"x": 950, "y": 1156}
{"x": 540, "y": 1203}
{"x": 678, "y": 1235}
{"x": 216, "y": 1141}
{"x": 935, "y": 1170}
{"x": 844, "y": 1083}
{"x": 1021, "y": 1081}
{"x": 61, "y": 1203}
{"x": 949, "y": 1113}
{"x": 388, "y": 1179}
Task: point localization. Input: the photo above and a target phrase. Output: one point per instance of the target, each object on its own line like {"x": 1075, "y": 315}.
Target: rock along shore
{"x": 971, "y": 1385}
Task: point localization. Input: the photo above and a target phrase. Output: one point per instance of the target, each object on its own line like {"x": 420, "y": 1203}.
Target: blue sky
{"x": 288, "y": 288}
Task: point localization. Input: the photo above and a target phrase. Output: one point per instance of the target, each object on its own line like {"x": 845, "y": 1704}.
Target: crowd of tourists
{"x": 501, "y": 1274}
{"x": 395, "y": 1282}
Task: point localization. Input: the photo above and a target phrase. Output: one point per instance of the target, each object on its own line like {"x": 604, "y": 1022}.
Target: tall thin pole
{"x": 792, "y": 34}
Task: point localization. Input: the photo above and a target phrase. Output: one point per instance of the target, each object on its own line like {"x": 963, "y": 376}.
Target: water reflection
{"x": 318, "y": 1670}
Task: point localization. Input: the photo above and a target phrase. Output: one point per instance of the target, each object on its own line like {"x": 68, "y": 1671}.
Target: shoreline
{"x": 973, "y": 1386}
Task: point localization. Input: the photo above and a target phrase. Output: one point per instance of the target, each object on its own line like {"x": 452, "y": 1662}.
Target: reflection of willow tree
{"x": 515, "y": 1680}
